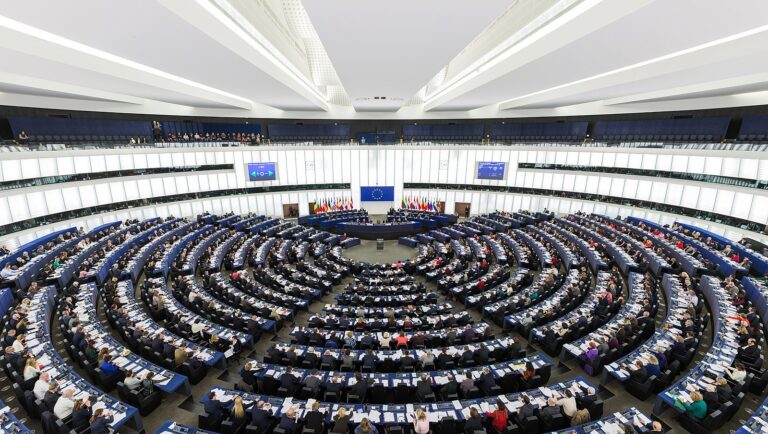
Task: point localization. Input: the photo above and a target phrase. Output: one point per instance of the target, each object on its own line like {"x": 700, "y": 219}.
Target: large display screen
{"x": 377, "y": 194}
{"x": 262, "y": 172}
{"x": 490, "y": 170}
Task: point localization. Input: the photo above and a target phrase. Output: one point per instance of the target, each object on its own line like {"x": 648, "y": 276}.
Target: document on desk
{"x": 374, "y": 416}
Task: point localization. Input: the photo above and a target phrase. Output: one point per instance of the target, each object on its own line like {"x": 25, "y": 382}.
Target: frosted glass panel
{"x": 11, "y": 170}
{"x": 741, "y": 205}
{"x": 36, "y": 202}
{"x": 707, "y": 198}
{"x": 30, "y": 168}
{"x": 54, "y": 201}
{"x": 66, "y": 166}
{"x": 19, "y": 208}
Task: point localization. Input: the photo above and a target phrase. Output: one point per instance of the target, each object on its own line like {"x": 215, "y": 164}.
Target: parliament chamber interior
{"x": 383, "y": 217}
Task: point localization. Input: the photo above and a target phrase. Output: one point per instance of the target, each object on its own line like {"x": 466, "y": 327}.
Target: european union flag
{"x": 377, "y": 194}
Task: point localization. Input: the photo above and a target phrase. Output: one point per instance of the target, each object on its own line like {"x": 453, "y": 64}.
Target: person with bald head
{"x": 550, "y": 411}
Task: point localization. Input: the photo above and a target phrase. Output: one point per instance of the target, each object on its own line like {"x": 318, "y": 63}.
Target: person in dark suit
{"x": 51, "y": 396}
{"x": 261, "y": 416}
{"x": 328, "y": 359}
{"x": 313, "y": 381}
{"x": 100, "y": 422}
{"x": 334, "y": 385}
{"x": 515, "y": 347}
{"x": 710, "y": 397}
{"x": 679, "y": 350}
{"x": 724, "y": 390}
{"x": 406, "y": 361}
{"x": 213, "y": 407}
{"x": 482, "y": 355}
{"x": 449, "y": 388}
{"x": 750, "y": 352}
{"x": 486, "y": 382}
{"x": 469, "y": 334}
{"x": 81, "y": 414}
{"x": 301, "y": 337}
{"x": 288, "y": 381}
{"x": 290, "y": 421}
{"x": 527, "y": 410}
{"x": 443, "y": 359}
{"x": 586, "y": 400}
{"x": 248, "y": 375}
{"x": 370, "y": 359}
{"x": 423, "y": 387}
{"x": 274, "y": 353}
{"x": 638, "y": 374}
{"x": 550, "y": 411}
{"x": 311, "y": 358}
{"x": 474, "y": 423}
{"x": 360, "y": 388}
{"x": 314, "y": 419}
{"x": 550, "y": 337}
{"x": 291, "y": 356}
{"x": 467, "y": 357}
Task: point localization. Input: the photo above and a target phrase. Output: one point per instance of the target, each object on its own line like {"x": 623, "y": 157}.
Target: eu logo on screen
{"x": 377, "y": 194}
{"x": 490, "y": 170}
{"x": 261, "y": 172}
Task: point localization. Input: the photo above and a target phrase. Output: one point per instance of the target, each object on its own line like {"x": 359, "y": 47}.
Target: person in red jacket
{"x": 499, "y": 416}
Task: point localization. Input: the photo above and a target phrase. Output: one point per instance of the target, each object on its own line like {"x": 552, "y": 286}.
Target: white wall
{"x": 385, "y": 166}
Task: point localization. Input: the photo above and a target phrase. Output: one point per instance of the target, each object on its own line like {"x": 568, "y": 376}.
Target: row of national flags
{"x": 419, "y": 203}
{"x": 333, "y": 204}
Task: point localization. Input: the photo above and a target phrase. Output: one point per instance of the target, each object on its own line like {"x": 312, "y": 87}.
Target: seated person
{"x": 697, "y": 408}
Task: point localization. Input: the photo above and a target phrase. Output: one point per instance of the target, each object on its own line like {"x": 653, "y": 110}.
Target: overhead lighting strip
{"x": 547, "y": 22}
{"x": 233, "y": 20}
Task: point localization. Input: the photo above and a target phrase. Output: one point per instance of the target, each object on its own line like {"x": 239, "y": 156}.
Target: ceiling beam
{"x": 575, "y": 23}
{"x": 734, "y": 46}
{"x": 246, "y": 41}
{"x": 29, "y": 40}
{"x": 693, "y": 89}
{"x": 64, "y": 88}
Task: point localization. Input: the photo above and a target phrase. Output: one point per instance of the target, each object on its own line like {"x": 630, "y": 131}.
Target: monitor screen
{"x": 262, "y": 172}
{"x": 490, "y": 170}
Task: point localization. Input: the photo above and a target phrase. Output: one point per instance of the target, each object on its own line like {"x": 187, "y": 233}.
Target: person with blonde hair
{"x": 30, "y": 369}
{"x": 421, "y": 422}
{"x": 697, "y": 409}
{"x": 652, "y": 367}
{"x": 366, "y": 427}
{"x": 341, "y": 421}
{"x": 81, "y": 414}
{"x": 385, "y": 340}
{"x": 238, "y": 412}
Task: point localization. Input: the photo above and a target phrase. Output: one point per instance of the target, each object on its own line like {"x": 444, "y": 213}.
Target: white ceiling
{"x": 329, "y": 58}
{"x": 392, "y": 48}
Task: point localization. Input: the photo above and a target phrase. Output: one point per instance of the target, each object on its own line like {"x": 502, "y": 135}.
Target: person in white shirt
{"x": 30, "y": 369}
{"x": 41, "y": 385}
{"x": 65, "y": 404}
{"x": 568, "y": 402}
{"x": 197, "y": 327}
{"x": 7, "y": 272}
{"x": 131, "y": 382}
{"x": 18, "y": 344}
{"x": 737, "y": 373}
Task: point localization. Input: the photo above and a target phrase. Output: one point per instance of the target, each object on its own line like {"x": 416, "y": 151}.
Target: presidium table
{"x": 354, "y": 224}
